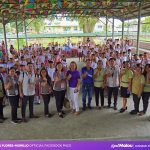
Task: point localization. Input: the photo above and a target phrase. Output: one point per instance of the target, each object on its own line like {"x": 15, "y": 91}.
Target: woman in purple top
{"x": 73, "y": 77}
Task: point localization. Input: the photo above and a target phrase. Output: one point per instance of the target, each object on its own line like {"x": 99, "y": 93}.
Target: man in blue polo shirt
{"x": 87, "y": 83}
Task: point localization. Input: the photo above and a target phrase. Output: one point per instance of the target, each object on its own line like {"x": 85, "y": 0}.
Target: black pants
{"x": 99, "y": 91}
{"x": 145, "y": 98}
{"x": 1, "y": 108}
{"x": 114, "y": 91}
{"x": 59, "y": 96}
{"x": 14, "y": 105}
{"x": 24, "y": 104}
{"x": 46, "y": 99}
{"x": 136, "y": 101}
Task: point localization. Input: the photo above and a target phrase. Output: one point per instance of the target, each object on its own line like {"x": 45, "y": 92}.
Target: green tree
{"x": 87, "y": 24}
{"x": 37, "y": 25}
{"x": 146, "y": 27}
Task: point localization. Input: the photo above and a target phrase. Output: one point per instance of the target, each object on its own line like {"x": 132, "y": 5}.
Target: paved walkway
{"x": 105, "y": 124}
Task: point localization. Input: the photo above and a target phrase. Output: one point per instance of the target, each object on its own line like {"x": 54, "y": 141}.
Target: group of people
{"x": 37, "y": 72}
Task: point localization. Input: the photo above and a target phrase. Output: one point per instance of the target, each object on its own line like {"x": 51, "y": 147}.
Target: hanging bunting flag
{"x": 65, "y": 3}
{"x": 31, "y": 1}
{"x": 88, "y": 4}
{"x": 26, "y": 2}
{"x": 21, "y": 6}
{"x": 52, "y": 1}
{"x": 59, "y": 4}
{"x": 29, "y": 6}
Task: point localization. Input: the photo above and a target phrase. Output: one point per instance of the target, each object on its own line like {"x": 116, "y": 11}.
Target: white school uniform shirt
{"x": 28, "y": 89}
{"x": 97, "y": 59}
{"x": 123, "y": 58}
{"x": 118, "y": 50}
{"x": 85, "y": 52}
{"x": 79, "y": 50}
{"x": 94, "y": 65}
{"x": 23, "y": 63}
{"x": 96, "y": 49}
{"x": 118, "y": 62}
{"x": 51, "y": 72}
{"x": 9, "y": 65}
{"x": 104, "y": 60}
{"x": 146, "y": 61}
{"x": 114, "y": 80}
{"x": 42, "y": 58}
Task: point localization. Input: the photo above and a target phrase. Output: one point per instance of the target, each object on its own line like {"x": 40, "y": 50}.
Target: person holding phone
{"x": 60, "y": 86}
{"x": 45, "y": 90}
{"x": 73, "y": 77}
{"x": 99, "y": 83}
{"x": 11, "y": 87}
{"x": 137, "y": 88}
{"x": 126, "y": 76}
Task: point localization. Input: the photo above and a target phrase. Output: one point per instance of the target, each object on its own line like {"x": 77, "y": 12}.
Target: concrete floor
{"x": 105, "y": 124}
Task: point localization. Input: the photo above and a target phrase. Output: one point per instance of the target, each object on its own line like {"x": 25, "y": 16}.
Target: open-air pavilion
{"x": 93, "y": 124}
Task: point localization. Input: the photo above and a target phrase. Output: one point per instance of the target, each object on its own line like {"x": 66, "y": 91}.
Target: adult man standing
{"x": 87, "y": 84}
{"x": 112, "y": 82}
{"x": 27, "y": 91}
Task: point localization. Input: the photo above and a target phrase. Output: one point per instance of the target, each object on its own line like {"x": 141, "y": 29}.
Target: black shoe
{"x": 1, "y": 120}
{"x": 84, "y": 108}
{"x": 123, "y": 110}
{"x": 33, "y": 116}
{"x": 63, "y": 112}
{"x": 89, "y": 107}
{"x": 24, "y": 120}
{"x": 108, "y": 107}
{"x": 133, "y": 112}
{"x": 4, "y": 118}
{"x": 61, "y": 116}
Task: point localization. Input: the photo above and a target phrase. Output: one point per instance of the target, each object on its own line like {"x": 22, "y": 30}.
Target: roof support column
{"x": 106, "y": 27}
{"x": 25, "y": 31}
{"x": 138, "y": 30}
{"x": 17, "y": 33}
{"x": 4, "y": 30}
{"x": 113, "y": 29}
{"x": 122, "y": 28}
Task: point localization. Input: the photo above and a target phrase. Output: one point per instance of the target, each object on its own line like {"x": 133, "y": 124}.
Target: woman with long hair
{"x": 46, "y": 90}
{"x": 60, "y": 86}
{"x": 11, "y": 87}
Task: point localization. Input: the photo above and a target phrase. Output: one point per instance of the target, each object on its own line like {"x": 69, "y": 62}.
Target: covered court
{"x": 92, "y": 124}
